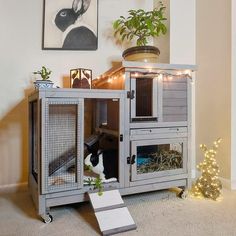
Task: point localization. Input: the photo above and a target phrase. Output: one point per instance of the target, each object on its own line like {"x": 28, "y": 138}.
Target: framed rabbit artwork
{"x": 70, "y": 25}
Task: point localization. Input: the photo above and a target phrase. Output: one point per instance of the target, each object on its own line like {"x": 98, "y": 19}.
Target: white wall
{"x": 20, "y": 54}
{"x": 163, "y": 42}
{"x": 233, "y": 92}
{"x": 213, "y": 84}
{"x": 183, "y": 31}
{"x": 183, "y": 49}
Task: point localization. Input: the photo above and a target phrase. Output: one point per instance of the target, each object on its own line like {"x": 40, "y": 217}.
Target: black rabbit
{"x": 79, "y": 37}
{"x": 103, "y": 162}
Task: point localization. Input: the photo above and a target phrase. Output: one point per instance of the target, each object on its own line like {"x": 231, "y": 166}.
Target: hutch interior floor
{"x": 156, "y": 213}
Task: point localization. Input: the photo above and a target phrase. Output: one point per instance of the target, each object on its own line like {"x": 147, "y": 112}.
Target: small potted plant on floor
{"x": 44, "y": 82}
{"x": 141, "y": 25}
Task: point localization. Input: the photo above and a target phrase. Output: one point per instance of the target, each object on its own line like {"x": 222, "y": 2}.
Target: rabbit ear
{"x": 80, "y": 6}
{"x": 88, "y": 147}
{"x": 77, "y": 5}
{"x": 86, "y": 4}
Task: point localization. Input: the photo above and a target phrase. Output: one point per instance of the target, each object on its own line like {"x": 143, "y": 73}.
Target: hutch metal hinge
{"x": 130, "y": 94}
{"x": 131, "y": 160}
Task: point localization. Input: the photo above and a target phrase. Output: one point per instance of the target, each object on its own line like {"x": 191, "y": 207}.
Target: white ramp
{"x": 111, "y": 213}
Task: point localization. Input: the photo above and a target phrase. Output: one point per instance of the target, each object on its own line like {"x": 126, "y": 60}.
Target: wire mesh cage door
{"x": 62, "y": 144}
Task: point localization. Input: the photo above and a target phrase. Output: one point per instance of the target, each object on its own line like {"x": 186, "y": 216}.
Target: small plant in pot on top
{"x": 139, "y": 26}
{"x": 45, "y": 75}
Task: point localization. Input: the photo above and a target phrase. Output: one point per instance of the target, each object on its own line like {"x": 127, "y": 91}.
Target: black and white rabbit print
{"x": 77, "y": 34}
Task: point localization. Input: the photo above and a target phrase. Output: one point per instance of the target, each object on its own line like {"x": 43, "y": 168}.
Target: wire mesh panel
{"x": 62, "y": 146}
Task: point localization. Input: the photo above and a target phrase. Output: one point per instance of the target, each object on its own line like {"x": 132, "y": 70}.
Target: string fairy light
{"x": 160, "y": 74}
{"x": 171, "y": 74}
{"x": 208, "y": 184}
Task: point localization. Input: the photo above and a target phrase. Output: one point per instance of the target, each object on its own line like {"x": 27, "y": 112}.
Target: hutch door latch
{"x": 131, "y": 160}
{"x": 130, "y": 94}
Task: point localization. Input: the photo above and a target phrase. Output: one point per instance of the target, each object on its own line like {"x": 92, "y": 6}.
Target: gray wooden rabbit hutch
{"x": 143, "y": 110}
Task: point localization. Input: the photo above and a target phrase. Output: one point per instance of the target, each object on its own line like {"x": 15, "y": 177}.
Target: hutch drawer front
{"x": 156, "y": 133}
{"x": 158, "y": 157}
{"x": 62, "y": 144}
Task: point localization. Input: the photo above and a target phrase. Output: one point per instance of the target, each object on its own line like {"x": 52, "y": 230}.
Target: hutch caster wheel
{"x": 47, "y": 218}
{"x": 183, "y": 194}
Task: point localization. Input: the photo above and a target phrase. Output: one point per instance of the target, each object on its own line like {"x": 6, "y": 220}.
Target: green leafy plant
{"x": 44, "y": 73}
{"x": 141, "y": 24}
{"x": 97, "y": 182}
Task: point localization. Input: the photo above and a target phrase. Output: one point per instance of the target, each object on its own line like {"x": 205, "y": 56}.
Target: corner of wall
{"x": 13, "y": 188}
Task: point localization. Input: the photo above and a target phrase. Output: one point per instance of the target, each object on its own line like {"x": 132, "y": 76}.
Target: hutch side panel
{"x": 34, "y": 139}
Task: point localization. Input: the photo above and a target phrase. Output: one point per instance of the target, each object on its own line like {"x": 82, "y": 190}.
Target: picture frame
{"x": 70, "y": 25}
{"x": 81, "y": 78}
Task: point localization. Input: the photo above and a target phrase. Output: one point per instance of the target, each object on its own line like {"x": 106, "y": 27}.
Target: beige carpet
{"x": 157, "y": 213}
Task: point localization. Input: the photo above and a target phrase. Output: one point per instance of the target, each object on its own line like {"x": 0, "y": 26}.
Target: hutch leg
{"x": 44, "y": 211}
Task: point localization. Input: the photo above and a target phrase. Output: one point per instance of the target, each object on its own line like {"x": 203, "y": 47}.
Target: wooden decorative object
{"x": 80, "y": 78}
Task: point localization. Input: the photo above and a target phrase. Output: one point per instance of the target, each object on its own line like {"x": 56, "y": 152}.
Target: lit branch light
{"x": 208, "y": 184}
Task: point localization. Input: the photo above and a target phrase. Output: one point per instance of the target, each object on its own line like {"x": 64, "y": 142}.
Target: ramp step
{"x": 108, "y": 200}
{"x": 111, "y": 213}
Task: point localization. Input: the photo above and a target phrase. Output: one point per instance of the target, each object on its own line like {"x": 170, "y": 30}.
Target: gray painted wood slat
{"x": 174, "y": 118}
{"x": 174, "y": 79}
{"x": 178, "y": 102}
{"x": 175, "y": 110}
{"x": 174, "y": 86}
{"x": 174, "y": 94}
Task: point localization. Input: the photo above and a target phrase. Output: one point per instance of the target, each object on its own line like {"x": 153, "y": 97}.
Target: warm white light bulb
{"x": 187, "y": 72}
{"x": 160, "y": 77}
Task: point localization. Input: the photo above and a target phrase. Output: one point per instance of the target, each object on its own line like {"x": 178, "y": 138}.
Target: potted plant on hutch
{"x": 44, "y": 82}
{"x": 141, "y": 25}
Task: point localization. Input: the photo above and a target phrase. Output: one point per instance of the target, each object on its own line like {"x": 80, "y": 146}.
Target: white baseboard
{"x": 233, "y": 185}
{"x": 226, "y": 183}
{"x": 12, "y": 188}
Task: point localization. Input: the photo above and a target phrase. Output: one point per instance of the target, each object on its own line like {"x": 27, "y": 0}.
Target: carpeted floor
{"x": 157, "y": 213}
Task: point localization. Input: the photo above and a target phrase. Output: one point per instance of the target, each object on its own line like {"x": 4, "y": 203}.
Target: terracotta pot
{"x": 142, "y": 53}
